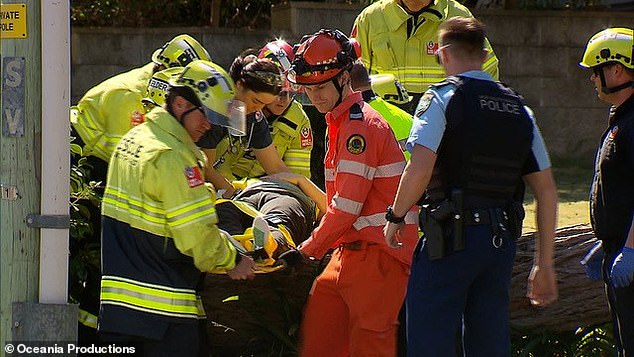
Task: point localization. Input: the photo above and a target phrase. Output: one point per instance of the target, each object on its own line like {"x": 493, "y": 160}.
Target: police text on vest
{"x": 498, "y": 105}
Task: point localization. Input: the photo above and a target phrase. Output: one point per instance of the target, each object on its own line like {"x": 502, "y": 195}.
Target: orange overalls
{"x": 354, "y": 303}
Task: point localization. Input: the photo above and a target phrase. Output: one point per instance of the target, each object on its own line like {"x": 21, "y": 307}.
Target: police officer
{"x": 400, "y": 37}
{"x": 159, "y": 223}
{"x": 472, "y": 143}
{"x": 400, "y": 121}
{"x": 111, "y": 108}
{"x": 610, "y": 56}
{"x": 354, "y": 303}
{"x": 289, "y": 126}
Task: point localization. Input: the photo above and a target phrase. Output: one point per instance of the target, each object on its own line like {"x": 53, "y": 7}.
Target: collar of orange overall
{"x": 337, "y": 114}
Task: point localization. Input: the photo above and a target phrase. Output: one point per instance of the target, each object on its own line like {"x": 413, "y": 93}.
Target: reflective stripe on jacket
{"x": 159, "y": 229}
{"x": 363, "y": 166}
{"x": 87, "y": 319}
{"x": 109, "y": 110}
{"x": 152, "y": 298}
{"x": 387, "y": 47}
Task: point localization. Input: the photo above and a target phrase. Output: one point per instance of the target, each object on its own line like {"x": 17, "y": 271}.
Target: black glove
{"x": 291, "y": 258}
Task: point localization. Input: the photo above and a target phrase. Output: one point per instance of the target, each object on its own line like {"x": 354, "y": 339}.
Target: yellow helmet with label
{"x": 613, "y": 45}
{"x": 158, "y": 87}
{"x": 214, "y": 92}
{"x": 179, "y": 52}
{"x": 389, "y": 88}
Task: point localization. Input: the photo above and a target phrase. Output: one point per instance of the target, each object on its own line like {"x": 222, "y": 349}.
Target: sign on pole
{"x": 13, "y": 96}
{"x": 13, "y": 21}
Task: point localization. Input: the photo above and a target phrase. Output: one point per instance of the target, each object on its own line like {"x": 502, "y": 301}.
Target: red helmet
{"x": 280, "y": 52}
{"x": 322, "y": 57}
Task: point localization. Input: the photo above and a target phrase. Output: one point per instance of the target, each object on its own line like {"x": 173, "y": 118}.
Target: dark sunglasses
{"x": 597, "y": 70}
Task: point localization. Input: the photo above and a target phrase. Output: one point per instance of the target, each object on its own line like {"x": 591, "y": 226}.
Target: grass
{"x": 573, "y": 185}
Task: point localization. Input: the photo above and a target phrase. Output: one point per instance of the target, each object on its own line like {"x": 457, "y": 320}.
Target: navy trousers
{"x": 459, "y": 304}
{"x": 621, "y": 302}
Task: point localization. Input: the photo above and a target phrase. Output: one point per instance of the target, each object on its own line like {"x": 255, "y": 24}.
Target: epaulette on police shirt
{"x": 455, "y": 80}
{"x": 425, "y": 100}
{"x": 355, "y": 112}
{"x": 507, "y": 87}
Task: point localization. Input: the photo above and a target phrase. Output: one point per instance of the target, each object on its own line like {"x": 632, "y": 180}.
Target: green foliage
{"x": 85, "y": 200}
{"x": 254, "y": 14}
{"x": 559, "y": 4}
{"x": 140, "y": 13}
{"x": 586, "y": 341}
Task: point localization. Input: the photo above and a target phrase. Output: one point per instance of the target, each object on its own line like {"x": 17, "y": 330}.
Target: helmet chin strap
{"x": 339, "y": 88}
{"x": 182, "y": 118}
{"x": 606, "y": 90}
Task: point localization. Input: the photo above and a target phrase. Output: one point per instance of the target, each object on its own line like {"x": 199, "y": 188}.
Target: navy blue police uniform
{"x": 485, "y": 140}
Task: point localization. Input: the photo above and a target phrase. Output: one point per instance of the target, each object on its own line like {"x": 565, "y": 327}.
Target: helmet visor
{"x": 233, "y": 118}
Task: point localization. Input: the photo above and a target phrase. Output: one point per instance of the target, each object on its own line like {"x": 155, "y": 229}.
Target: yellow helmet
{"x": 214, "y": 92}
{"x": 389, "y": 88}
{"x": 179, "y": 52}
{"x": 609, "y": 46}
{"x": 158, "y": 87}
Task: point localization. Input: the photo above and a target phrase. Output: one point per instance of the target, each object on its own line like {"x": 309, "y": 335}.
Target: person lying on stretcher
{"x": 268, "y": 218}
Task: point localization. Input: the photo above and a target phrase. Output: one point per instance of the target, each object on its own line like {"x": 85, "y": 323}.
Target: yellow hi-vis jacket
{"x": 159, "y": 230}
{"x": 293, "y": 139}
{"x": 109, "y": 110}
{"x": 399, "y": 120}
{"x": 392, "y": 43}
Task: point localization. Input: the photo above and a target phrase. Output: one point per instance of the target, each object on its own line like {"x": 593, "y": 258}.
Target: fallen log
{"x": 253, "y": 317}
{"x": 259, "y": 317}
{"x": 581, "y": 301}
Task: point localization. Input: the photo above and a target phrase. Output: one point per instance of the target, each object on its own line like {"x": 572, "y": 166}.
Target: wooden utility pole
{"x": 19, "y": 163}
{"x": 30, "y": 309}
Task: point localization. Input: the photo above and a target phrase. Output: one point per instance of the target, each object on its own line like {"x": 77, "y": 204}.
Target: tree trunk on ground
{"x": 261, "y": 317}
{"x": 581, "y": 301}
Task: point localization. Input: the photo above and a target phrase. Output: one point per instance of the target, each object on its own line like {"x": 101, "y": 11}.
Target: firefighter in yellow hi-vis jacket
{"x": 159, "y": 221}
{"x": 401, "y": 38}
{"x": 111, "y": 108}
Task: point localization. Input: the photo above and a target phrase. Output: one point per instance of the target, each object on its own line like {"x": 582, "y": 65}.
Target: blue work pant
{"x": 462, "y": 298}
{"x": 621, "y": 302}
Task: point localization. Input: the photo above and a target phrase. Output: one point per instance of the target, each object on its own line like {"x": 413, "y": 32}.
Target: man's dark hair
{"x": 465, "y": 35}
{"x": 184, "y": 92}
{"x": 359, "y": 76}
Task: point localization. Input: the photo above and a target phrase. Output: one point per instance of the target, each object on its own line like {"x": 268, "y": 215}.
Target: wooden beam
{"x": 582, "y": 301}
{"x": 20, "y": 170}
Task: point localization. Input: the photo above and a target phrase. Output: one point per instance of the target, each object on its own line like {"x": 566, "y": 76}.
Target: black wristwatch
{"x": 390, "y": 217}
